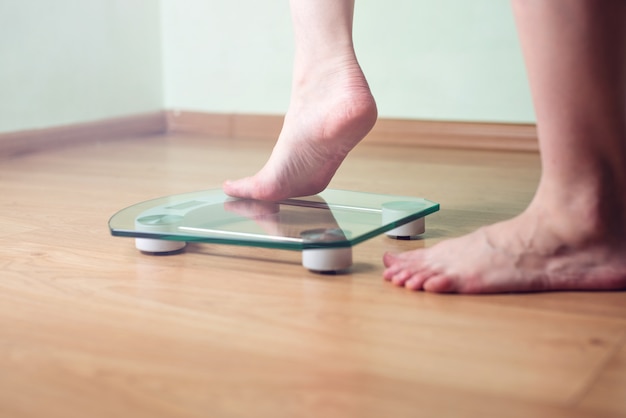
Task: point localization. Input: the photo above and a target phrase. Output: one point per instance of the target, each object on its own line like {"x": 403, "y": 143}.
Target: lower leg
{"x": 331, "y": 107}
{"x": 573, "y": 234}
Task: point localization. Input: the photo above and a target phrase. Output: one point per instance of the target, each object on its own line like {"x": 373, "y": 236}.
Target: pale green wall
{"x": 227, "y": 56}
{"x": 444, "y": 59}
{"x": 69, "y": 61}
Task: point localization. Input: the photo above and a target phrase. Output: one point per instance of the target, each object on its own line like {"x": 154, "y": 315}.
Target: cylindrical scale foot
{"x": 393, "y": 211}
{"x": 158, "y": 246}
{"x": 158, "y": 223}
{"x": 326, "y": 260}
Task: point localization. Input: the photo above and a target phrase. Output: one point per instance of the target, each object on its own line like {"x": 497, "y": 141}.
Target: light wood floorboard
{"x": 89, "y": 327}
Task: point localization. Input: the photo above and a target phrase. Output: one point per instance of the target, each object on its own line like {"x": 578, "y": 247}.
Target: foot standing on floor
{"x": 573, "y": 234}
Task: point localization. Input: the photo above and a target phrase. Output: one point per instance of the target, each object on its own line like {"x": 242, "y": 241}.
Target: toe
{"x": 391, "y": 270}
{"x": 389, "y": 259}
{"x": 439, "y": 283}
{"x": 417, "y": 280}
{"x": 401, "y": 277}
{"x": 387, "y": 276}
{"x": 235, "y": 188}
{"x": 414, "y": 283}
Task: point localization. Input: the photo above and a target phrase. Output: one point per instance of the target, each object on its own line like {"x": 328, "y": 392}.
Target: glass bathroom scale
{"x": 324, "y": 227}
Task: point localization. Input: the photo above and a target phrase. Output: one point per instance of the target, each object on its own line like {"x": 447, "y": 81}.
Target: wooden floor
{"x": 90, "y": 327}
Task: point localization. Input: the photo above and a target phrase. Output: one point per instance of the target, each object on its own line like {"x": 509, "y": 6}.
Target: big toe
{"x": 233, "y": 188}
{"x": 242, "y": 188}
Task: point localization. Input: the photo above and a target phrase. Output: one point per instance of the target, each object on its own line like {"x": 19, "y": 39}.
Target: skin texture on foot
{"x": 331, "y": 107}
{"x": 573, "y": 234}
{"x": 511, "y": 256}
{"x": 320, "y": 129}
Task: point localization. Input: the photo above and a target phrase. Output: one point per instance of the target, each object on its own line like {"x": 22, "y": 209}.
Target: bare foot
{"x": 573, "y": 234}
{"x": 524, "y": 254}
{"x": 330, "y": 112}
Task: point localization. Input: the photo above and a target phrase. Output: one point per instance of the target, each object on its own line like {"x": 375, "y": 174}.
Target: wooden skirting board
{"x": 473, "y": 135}
{"x": 23, "y": 142}
{"x": 470, "y": 135}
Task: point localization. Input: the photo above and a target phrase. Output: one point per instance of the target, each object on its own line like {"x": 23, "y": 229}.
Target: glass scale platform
{"x": 323, "y": 227}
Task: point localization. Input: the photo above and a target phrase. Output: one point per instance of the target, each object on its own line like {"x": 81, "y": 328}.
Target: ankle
{"x": 584, "y": 215}
{"x": 311, "y": 70}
